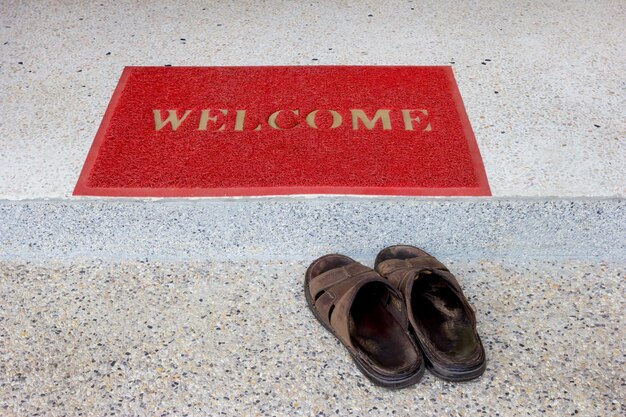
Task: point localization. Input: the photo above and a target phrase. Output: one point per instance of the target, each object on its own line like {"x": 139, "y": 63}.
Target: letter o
{"x": 337, "y": 119}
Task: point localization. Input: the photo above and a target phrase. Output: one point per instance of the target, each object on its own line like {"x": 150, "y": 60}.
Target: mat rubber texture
{"x": 245, "y": 131}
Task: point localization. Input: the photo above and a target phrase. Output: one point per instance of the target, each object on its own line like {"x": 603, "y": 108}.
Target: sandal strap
{"x": 402, "y": 272}
{"x": 334, "y": 276}
{"x": 334, "y": 292}
{"x": 420, "y": 262}
{"x": 340, "y": 314}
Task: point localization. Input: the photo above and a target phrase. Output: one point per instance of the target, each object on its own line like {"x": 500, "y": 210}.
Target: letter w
{"x": 172, "y": 118}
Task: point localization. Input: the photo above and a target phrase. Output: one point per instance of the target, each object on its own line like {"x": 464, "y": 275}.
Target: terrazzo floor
{"x": 93, "y": 338}
{"x": 148, "y": 339}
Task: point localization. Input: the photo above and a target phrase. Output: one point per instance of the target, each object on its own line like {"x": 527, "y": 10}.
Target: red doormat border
{"x": 482, "y": 189}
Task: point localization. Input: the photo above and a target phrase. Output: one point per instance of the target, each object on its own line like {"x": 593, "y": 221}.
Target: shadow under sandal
{"x": 441, "y": 317}
{"x": 368, "y": 316}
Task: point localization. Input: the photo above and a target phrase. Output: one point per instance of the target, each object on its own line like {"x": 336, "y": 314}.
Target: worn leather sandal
{"x": 441, "y": 317}
{"x": 368, "y": 316}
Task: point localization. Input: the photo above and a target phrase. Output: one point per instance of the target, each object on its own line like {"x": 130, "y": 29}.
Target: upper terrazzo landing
{"x": 542, "y": 83}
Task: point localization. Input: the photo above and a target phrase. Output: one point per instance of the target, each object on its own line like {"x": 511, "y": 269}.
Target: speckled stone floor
{"x": 147, "y": 339}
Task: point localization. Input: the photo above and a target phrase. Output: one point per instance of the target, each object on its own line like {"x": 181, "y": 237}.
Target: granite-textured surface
{"x": 148, "y": 339}
{"x": 542, "y": 82}
{"x": 305, "y": 228}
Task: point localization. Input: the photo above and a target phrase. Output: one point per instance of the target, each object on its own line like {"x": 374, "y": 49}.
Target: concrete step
{"x": 305, "y": 228}
{"x": 236, "y": 338}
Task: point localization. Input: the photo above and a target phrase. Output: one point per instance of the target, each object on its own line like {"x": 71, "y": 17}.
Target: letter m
{"x": 369, "y": 124}
{"x": 172, "y": 119}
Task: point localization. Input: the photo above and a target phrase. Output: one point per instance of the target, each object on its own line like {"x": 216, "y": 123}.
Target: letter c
{"x": 272, "y": 120}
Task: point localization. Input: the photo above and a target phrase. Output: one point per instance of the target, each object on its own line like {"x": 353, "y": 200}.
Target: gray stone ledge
{"x": 305, "y": 227}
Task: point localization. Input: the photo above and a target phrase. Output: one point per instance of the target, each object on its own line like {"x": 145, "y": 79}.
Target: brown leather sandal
{"x": 441, "y": 317}
{"x": 368, "y": 316}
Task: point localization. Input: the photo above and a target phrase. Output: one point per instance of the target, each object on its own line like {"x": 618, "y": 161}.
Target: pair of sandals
{"x": 406, "y": 315}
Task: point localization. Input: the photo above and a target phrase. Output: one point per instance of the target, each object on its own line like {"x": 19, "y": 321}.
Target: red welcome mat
{"x": 241, "y": 131}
